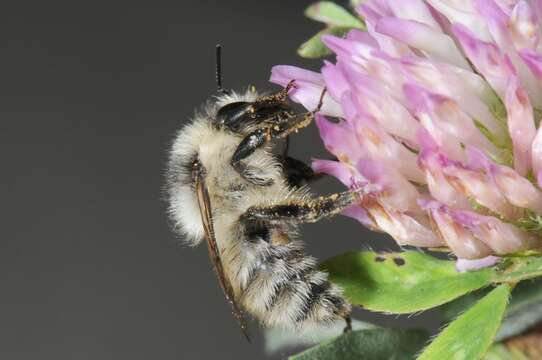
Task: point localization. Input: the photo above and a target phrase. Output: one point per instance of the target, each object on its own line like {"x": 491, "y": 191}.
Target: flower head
{"x": 439, "y": 103}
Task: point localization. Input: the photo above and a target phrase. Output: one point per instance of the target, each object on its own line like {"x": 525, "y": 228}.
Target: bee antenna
{"x": 219, "y": 69}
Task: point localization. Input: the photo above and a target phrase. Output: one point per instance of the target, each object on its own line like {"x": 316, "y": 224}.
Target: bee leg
{"x": 246, "y": 148}
{"x": 259, "y": 138}
{"x": 297, "y": 172}
{"x": 348, "y": 326}
{"x": 299, "y": 121}
{"x": 240, "y": 116}
{"x": 264, "y": 135}
{"x": 300, "y": 211}
{"x": 286, "y": 147}
{"x": 283, "y": 125}
{"x": 275, "y": 99}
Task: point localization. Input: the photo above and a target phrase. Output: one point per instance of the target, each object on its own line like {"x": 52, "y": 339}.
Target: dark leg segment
{"x": 297, "y": 172}
{"x": 240, "y": 116}
{"x": 246, "y": 148}
{"x": 348, "y": 326}
{"x": 260, "y": 137}
{"x": 303, "y": 212}
{"x": 263, "y": 135}
{"x": 286, "y": 147}
{"x": 273, "y": 100}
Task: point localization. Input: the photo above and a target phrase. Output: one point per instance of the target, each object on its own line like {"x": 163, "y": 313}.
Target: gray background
{"x": 90, "y": 98}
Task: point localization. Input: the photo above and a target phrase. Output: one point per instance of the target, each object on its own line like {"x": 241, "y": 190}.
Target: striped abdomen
{"x": 284, "y": 288}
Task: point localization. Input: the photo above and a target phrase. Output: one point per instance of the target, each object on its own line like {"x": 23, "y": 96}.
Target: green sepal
{"x": 333, "y": 15}
{"x": 314, "y": 47}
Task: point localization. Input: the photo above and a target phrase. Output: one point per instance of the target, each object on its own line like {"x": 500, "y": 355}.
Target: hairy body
{"x": 255, "y": 214}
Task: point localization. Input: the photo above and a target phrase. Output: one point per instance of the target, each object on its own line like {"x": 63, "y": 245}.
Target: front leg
{"x": 241, "y": 115}
{"x": 262, "y": 136}
{"x": 275, "y": 99}
{"x": 246, "y": 148}
{"x": 300, "y": 211}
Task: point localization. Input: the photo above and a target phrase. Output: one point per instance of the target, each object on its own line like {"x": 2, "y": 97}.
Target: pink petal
{"x": 336, "y": 83}
{"x": 377, "y": 144}
{"x": 478, "y": 160}
{"x": 372, "y": 14}
{"x": 495, "y": 66}
{"x": 404, "y": 229}
{"x": 502, "y": 238}
{"x": 387, "y": 74}
{"x": 283, "y": 74}
{"x": 339, "y": 139}
{"x": 361, "y": 215}
{"x": 493, "y": 13}
{"x": 463, "y": 13}
{"x": 468, "y": 183}
{"x": 536, "y": 156}
{"x": 533, "y": 60}
{"x": 346, "y": 48}
{"x": 362, "y": 37}
{"x": 499, "y": 27}
{"x": 336, "y": 169}
{"x": 463, "y": 265}
{"x": 518, "y": 190}
{"x": 366, "y": 60}
{"x": 415, "y": 10}
{"x": 444, "y": 119}
{"x": 537, "y": 8}
{"x": 462, "y": 242}
{"x": 507, "y": 5}
{"x": 465, "y": 87}
{"x": 439, "y": 185}
{"x": 524, "y": 26}
{"x": 372, "y": 98}
{"x": 433, "y": 42}
{"x": 482, "y": 189}
{"x": 397, "y": 192}
{"x": 307, "y": 89}
{"x": 520, "y": 124}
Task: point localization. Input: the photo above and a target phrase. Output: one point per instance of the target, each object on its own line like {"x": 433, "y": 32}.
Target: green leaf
{"x": 401, "y": 283}
{"x": 470, "y": 335}
{"x": 521, "y": 268}
{"x": 451, "y": 310}
{"x": 375, "y": 344}
{"x": 314, "y": 47}
{"x": 523, "y": 312}
{"x": 333, "y": 15}
{"x": 278, "y": 339}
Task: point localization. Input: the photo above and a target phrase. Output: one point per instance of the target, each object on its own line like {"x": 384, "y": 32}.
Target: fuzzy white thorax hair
{"x": 214, "y": 147}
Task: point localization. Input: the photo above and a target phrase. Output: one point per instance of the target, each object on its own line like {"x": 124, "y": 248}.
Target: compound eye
{"x": 232, "y": 115}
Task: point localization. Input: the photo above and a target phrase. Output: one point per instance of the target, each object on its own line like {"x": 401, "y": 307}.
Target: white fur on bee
{"x": 261, "y": 274}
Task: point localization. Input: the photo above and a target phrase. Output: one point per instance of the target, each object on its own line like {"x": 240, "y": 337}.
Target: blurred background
{"x": 91, "y": 97}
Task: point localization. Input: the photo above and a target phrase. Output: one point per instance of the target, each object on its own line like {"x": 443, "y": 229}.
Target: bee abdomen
{"x": 318, "y": 301}
{"x": 289, "y": 291}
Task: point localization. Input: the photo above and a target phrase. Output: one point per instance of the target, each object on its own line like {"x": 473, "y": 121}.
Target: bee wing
{"x": 214, "y": 253}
